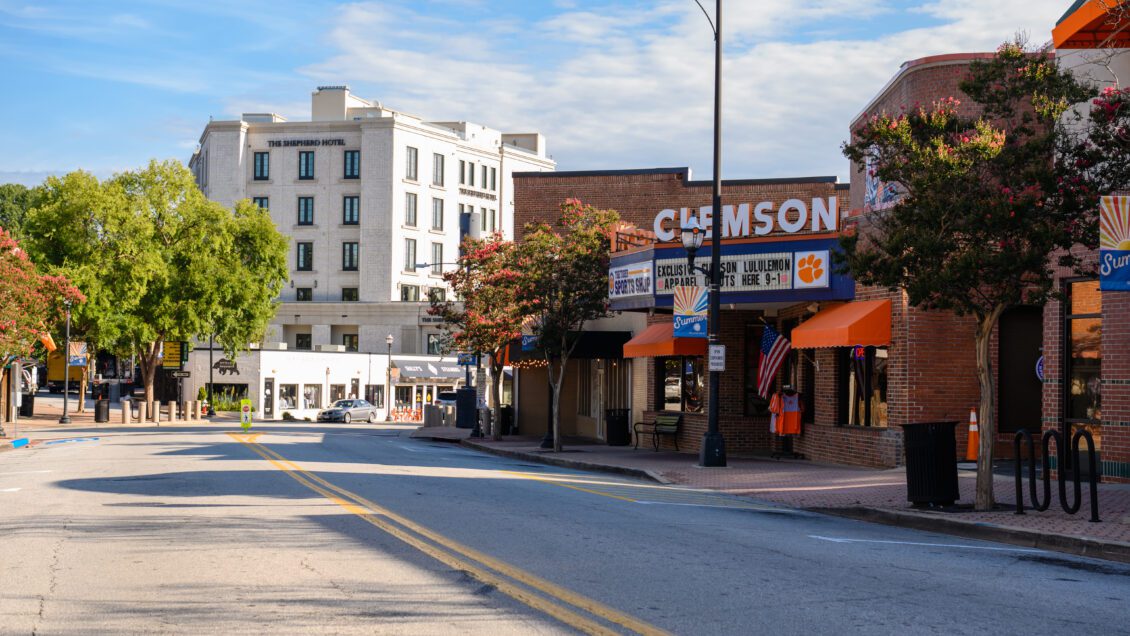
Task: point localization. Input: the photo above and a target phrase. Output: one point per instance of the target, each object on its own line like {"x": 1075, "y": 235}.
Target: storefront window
{"x": 403, "y": 397}
{"x": 863, "y": 386}
{"x": 375, "y": 395}
{"x": 680, "y": 384}
{"x": 1084, "y": 358}
{"x": 311, "y": 396}
{"x": 288, "y": 396}
{"x": 337, "y": 392}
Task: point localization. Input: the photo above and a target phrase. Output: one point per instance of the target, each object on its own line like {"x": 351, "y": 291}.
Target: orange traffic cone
{"x": 973, "y": 445}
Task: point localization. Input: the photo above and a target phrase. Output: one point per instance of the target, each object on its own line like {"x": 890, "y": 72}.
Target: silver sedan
{"x": 348, "y": 411}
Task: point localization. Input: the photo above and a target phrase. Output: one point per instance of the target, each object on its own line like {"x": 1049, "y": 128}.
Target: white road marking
{"x": 26, "y": 472}
{"x": 410, "y": 450}
{"x": 9, "y": 489}
{"x": 928, "y": 545}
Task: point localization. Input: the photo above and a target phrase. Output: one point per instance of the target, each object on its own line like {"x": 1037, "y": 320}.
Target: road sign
{"x": 175, "y": 352}
{"x": 717, "y": 357}
{"x": 182, "y": 374}
{"x": 245, "y": 413}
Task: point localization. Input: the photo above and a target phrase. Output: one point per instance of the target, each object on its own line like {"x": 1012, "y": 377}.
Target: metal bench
{"x": 663, "y": 425}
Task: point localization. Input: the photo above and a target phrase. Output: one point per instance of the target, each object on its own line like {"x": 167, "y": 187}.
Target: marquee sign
{"x": 750, "y": 272}
{"x": 749, "y": 220}
{"x": 1114, "y": 244}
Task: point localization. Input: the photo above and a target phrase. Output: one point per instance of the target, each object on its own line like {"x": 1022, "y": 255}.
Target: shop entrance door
{"x": 1021, "y": 395}
{"x": 269, "y": 398}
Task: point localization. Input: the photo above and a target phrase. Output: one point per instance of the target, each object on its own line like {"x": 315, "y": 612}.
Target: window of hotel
{"x": 411, "y": 163}
{"x": 409, "y": 255}
{"x": 437, "y": 258}
{"x": 483, "y": 219}
{"x": 1083, "y": 359}
{"x": 410, "y": 209}
{"x": 262, "y": 166}
{"x": 303, "y": 294}
{"x": 410, "y": 293}
{"x": 262, "y": 202}
{"x": 863, "y": 385}
{"x": 311, "y": 396}
{"x": 375, "y": 395}
{"x": 352, "y": 164}
{"x": 303, "y": 342}
{"x": 437, "y": 169}
{"x": 349, "y": 294}
{"x": 493, "y": 177}
{"x": 305, "y": 210}
{"x": 350, "y": 341}
{"x": 305, "y": 259}
{"x": 437, "y": 214}
{"x": 471, "y": 174}
{"x": 493, "y": 217}
{"x": 288, "y": 396}
{"x": 462, "y": 172}
{"x": 435, "y": 344}
{"x": 483, "y": 181}
{"x": 680, "y": 384}
{"x": 437, "y": 294}
{"x": 349, "y": 252}
{"x": 306, "y": 164}
{"x": 351, "y": 210}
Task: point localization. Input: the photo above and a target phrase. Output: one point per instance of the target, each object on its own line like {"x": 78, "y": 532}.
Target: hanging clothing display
{"x": 786, "y": 408}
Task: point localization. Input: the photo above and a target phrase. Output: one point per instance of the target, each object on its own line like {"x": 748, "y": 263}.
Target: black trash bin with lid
{"x": 102, "y": 410}
{"x": 27, "y": 405}
{"x": 616, "y": 427}
{"x": 931, "y": 463}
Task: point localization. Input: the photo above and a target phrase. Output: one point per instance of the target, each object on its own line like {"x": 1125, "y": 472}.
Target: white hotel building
{"x": 365, "y": 193}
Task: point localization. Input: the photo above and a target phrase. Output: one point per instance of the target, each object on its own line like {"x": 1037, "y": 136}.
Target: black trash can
{"x": 102, "y": 410}
{"x": 507, "y": 420}
{"x": 27, "y": 405}
{"x": 616, "y": 427}
{"x": 931, "y": 463}
{"x": 466, "y": 407}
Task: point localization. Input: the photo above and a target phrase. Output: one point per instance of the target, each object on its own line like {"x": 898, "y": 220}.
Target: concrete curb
{"x": 1080, "y": 546}
{"x": 568, "y": 463}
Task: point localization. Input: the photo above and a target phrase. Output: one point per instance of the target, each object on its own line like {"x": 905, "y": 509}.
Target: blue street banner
{"x": 76, "y": 355}
{"x": 529, "y": 343}
{"x": 467, "y": 360}
{"x": 1114, "y": 244}
{"x": 690, "y": 304}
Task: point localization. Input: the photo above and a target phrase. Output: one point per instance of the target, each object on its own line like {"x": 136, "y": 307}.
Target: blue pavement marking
{"x": 17, "y": 443}
{"x": 73, "y": 439}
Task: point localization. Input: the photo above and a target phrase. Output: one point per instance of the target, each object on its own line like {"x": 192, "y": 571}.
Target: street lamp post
{"x": 66, "y": 419}
{"x": 713, "y": 451}
{"x": 211, "y": 380}
{"x": 388, "y": 384}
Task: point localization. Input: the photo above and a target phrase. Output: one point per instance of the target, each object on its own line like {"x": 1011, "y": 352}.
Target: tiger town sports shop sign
{"x": 791, "y": 270}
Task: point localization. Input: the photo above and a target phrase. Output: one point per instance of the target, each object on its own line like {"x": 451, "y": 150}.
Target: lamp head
{"x": 692, "y": 236}
{"x": 388, "y": 340}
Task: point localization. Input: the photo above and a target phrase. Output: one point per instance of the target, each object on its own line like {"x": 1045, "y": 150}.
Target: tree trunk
{"x": 87, "y": 376}
{"x": 986, "y": 418}
{"x": 147, "y": 359}
{"x": 556, "y": 379}
{"x": 496, "y": 395}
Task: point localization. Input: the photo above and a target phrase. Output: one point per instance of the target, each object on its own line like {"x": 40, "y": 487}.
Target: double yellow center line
{"x": 520, "y": 585}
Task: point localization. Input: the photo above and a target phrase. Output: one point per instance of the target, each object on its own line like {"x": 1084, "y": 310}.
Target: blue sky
{"x": 105, "y": 86}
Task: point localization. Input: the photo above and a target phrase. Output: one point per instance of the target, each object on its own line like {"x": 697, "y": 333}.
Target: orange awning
{"x": 865, "y": 322}
{"x": 1092, "y": 24}
{"x": 659, "y": 340}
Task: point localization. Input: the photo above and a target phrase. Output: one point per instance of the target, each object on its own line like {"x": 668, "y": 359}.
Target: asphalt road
{"x": 313, "y": 529}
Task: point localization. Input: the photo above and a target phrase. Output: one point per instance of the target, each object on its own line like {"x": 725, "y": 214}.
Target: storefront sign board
{"x": 717, "y": 357}
{"x": 753, "y": 219}
{"x": 1114, "y": 244}
{"x": 626, "y": 281}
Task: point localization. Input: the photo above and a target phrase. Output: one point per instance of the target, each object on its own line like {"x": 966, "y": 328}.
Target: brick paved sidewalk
{"x": 865, "y": 493}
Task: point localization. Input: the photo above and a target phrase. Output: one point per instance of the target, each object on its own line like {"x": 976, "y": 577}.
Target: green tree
{"x": 983, "y": 205}
{"x": 564, "y": 284}
{"x": 160, "y": 261}
{"x": 15, "y": 201}
{"x": 485, "y": 318}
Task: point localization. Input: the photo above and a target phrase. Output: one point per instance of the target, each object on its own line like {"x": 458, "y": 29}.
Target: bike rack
{"x": 1061, "y": 453}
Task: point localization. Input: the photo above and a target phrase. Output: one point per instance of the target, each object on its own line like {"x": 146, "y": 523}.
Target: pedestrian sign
{"x": 245, "y": 413}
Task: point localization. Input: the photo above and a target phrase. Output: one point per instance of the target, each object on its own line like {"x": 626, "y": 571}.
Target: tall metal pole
{"x": 66, "y": 419}
{"x": 211, "y": 381}
{"x": 713, "y": 451}
{"x": 388, "y": 383}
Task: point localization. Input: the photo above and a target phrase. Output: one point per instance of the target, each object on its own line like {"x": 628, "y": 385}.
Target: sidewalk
{"x": 48, "y": 411}
{"x": 867, "y": 494}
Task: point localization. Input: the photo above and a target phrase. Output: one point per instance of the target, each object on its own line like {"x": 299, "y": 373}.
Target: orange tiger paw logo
{"x": 810, "y": 269}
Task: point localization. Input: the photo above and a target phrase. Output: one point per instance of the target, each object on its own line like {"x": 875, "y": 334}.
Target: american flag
{"x": 774, "y": 348}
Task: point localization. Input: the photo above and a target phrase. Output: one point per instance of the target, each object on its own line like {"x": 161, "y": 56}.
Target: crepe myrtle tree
{"x": 985, "y": 211}
{"x": 563, "y": 285}
{"x": 484, "y": 317}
